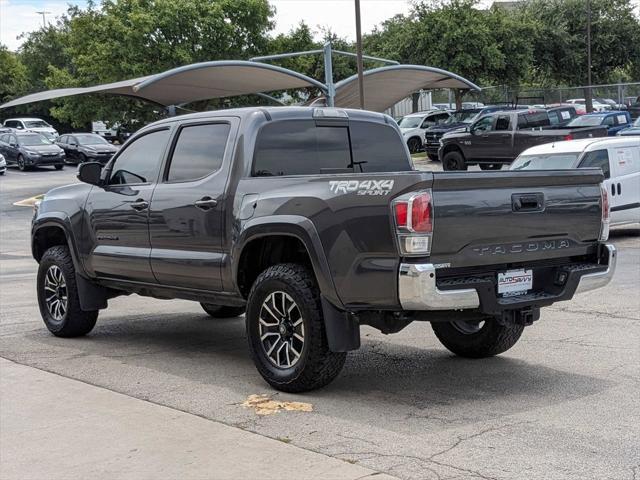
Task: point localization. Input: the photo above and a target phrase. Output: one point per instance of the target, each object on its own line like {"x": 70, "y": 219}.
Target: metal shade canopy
{"x": 385, "y": 86}
{"x": 199, "y": 81}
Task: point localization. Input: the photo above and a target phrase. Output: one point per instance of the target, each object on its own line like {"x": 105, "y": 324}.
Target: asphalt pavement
{"x": 562, "y": 404}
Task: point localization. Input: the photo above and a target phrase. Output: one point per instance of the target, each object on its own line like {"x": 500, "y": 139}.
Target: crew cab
{"x": 314, "y": 222}
{"x": 458, "y": 119}
{"x": 612, "y": 121}
{"x": 497, "y": 139}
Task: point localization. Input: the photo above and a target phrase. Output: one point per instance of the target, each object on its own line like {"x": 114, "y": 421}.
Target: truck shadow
{"x": 391, "y": 382}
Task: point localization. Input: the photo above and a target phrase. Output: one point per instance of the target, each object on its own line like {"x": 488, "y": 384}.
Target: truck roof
{"x": 282, "y": 113}
{"x": 571, "y": 146}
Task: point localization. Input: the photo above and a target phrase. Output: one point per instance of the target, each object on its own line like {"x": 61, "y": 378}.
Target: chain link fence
{"x": 620, "y": 93}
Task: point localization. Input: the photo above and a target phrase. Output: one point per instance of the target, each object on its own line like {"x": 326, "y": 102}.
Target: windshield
{"x": 36, "y": 124}
{"x": 545, "y": 161}
{"x": 462, "y": 117}
{"x": 91, "y": 140}
{"x": 410, "y": 122}
{"x": 586, "y": 121}
{"x": 33, "y": 140}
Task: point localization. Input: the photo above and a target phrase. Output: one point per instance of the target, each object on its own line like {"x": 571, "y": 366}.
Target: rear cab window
{"x": 301, "y": 147}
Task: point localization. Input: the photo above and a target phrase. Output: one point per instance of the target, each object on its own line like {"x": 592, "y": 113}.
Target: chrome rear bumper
{"x": 417, "y": 289}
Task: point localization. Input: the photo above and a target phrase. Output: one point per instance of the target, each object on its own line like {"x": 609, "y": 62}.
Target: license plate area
{"x": 515, "y": 282}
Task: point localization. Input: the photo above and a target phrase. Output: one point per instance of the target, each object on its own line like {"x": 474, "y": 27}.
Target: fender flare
{"x": 294, "y": 226}
{"x": 59, "y": 220}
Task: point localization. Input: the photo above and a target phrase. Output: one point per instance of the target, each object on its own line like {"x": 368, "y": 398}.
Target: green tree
{"x": 560, "y": 40}
{"x": 13, "y": 75}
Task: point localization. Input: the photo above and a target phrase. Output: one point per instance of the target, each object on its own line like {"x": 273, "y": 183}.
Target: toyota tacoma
{"x": 314, "y": 222}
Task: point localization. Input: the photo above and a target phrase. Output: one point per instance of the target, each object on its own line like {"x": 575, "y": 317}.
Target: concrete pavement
{"x": 52, "y": 427}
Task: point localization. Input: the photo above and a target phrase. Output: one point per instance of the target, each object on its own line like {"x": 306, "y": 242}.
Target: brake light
{"x": 568, "y": 137}
{"x": 413, "y": 216}
{"x": 605, "y": 215}
{"x": 400, "y": 209}
{"x": 421, "y": 213}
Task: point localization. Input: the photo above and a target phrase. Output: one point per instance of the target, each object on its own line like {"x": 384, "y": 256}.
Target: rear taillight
{"x": 413, "y": 216}
{"x": 605, "y": 215}
{"x": 568, "y": 137}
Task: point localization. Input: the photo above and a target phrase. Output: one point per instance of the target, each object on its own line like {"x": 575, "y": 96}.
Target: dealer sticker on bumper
{"x": 515, "y": 282}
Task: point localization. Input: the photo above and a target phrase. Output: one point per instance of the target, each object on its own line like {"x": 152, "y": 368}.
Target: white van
{"x": 619, "y": 159}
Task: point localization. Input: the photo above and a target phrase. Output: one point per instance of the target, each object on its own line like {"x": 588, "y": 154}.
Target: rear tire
{"x": 221, "y": 311}
{"x": 286, "y": 332}
{"x": 57, "y": 282}
{"x": 477, "y": 340}
{"x": 453, "y": 161}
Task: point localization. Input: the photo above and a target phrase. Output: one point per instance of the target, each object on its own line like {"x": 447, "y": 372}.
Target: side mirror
{"x": 89, "y": 172}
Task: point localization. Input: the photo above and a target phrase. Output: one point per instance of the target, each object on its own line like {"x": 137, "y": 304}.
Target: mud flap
{"x": 92, "y": 296}
{"x": 343, "y": 330}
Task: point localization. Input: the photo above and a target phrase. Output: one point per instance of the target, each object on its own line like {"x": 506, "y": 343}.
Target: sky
{"x": 18, "y": 16}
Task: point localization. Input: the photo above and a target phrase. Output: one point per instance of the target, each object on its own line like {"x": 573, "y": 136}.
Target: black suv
{"x": 314, "y": 222}
{"x": 83, "y": 147}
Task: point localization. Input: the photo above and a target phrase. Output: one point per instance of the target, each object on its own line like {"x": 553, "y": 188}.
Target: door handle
{"x": 205, "y": 203}
{"x": 140, "y": 204}
{"x": 619, "y": 189}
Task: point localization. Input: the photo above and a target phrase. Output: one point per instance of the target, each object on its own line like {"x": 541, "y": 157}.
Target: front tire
{"x": 453, "y": 161}
{"x": 477, "y": 339}
{"x": 21, "y": 165}
{"x": 58, "y": 167}
{"x": 58, "y": 295}
{"x": 286, "y": 332}
{"x": 414, "y": 144}
{"x": 221, "y": 311}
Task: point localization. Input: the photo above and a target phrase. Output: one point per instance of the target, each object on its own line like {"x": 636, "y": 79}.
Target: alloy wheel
{"x": 21, "y": 163}
{"x": 281, "y": 329}
{"x": 56, "y": 295}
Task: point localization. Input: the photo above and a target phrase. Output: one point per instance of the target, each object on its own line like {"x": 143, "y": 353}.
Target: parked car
{"x": 498, "y": 138}
{"x": 632, "y": 130}
{"x": 613, "y": 121}
{"x": 82, "y": 147}
{"x": 619, "y": 159}
{"x": 597, "y": 106}
{"x": 315, "y": 222}
{"x": 29, "y": 149}
{"x": 562, "y": 114}
{"x": 32, "y": 125}
{"x": 612, "y": 103}
{"x": 452, "y": 106}
{"x": 414, "y": 125}
{"x": 457, "y": 120}
{"x": 3, "y": 164}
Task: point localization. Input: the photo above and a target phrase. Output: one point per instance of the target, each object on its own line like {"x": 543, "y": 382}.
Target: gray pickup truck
{"x": 498, "y": 138}
{"x": 315, "y": 222}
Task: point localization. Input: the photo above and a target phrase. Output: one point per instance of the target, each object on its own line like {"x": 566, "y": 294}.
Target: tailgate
{"x": 507, "y": 217}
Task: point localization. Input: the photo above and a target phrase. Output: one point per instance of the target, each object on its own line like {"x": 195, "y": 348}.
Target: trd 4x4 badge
{"x": 362, "y": 187}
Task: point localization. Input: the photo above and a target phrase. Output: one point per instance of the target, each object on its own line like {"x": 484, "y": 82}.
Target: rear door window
{"x": 502, "y": 122}
{"x": 198, "y": 151}
{"x": 597, "y": 159}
